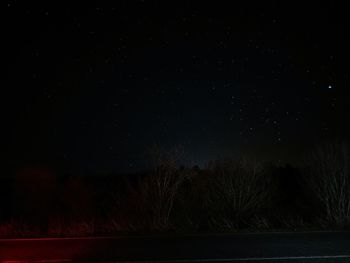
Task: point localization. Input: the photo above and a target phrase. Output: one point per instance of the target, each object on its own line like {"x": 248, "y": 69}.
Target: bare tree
{"x": 328, "y": 177}
{"x": 239, "y": 189}
{"x": 157, "y": 191}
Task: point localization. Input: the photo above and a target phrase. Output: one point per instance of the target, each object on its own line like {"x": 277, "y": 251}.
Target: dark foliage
{"x": 228, "y": 195}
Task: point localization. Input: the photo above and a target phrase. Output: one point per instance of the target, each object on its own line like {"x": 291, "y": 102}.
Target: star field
{"x": 95, "y": 87}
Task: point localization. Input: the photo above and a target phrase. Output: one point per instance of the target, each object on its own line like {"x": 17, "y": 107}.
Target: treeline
{"x": 228, "y": 195}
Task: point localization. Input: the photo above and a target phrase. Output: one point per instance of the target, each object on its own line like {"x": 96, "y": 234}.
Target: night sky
{"x": 95, "y": 87}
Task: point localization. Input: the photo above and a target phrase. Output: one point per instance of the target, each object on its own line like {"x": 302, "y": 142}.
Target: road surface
{"x": 268, "y": 247}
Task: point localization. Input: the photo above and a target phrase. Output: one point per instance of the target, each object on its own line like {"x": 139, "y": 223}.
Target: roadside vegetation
{"x": 228, "y": 195}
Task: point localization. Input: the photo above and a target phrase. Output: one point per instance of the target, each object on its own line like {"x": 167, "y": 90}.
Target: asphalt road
{"x": 269, "y": 247}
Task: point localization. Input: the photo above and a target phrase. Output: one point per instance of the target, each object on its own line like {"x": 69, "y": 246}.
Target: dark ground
{"x": 264, "y": 247}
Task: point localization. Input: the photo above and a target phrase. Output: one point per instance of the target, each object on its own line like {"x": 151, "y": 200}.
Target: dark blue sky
{"x": 96, "y": 86}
